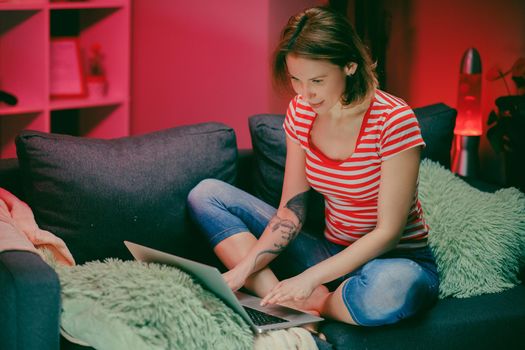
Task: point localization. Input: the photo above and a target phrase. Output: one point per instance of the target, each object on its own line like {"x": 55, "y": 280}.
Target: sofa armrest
{"x": 30, "y": 302}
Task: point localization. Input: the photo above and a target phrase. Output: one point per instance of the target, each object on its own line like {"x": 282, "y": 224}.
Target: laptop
{"x": 260, "y": 318}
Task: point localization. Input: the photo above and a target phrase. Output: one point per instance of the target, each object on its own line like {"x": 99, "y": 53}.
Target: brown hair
{"x": 319, "y": 33}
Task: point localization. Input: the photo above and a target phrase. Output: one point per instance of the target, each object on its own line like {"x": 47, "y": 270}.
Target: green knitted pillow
{"x": 132, "y": 305}
{"x": 478, "y": 238}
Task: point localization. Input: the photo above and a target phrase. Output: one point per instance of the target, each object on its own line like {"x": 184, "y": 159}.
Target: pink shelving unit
{"x": 26, "y": 30}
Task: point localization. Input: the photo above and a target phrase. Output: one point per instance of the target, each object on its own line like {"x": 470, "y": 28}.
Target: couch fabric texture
{"x": 96, "y": 193}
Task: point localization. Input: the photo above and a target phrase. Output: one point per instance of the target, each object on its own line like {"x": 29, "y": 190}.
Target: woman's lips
{"x": 316, "y": 105}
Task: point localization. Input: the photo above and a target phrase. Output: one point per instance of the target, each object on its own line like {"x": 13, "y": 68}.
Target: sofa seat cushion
{"x": 94, "y": 193}
{"x": 483, "y": 322}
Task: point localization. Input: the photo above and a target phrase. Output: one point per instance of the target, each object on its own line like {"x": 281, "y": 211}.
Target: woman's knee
{"x": 204, "y": 191}
{"x": 387, "y": 291}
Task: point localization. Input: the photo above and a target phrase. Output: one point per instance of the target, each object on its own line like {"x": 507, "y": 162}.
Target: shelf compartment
{"x": 23, "y": 67}
{"x": 107, "y": 27}
{"x": 103, "y": 122}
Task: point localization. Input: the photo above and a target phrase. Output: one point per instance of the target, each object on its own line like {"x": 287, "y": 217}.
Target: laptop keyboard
{"x": 261, "y": 319}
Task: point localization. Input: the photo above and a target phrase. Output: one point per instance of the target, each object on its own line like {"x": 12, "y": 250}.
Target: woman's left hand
{"x": 295, "y": 289}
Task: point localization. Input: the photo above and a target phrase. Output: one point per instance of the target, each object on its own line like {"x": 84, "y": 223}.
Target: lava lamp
{"x": 468, "y": 128}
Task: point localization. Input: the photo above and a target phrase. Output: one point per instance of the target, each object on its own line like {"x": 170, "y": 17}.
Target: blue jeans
{"x": 386, "y": 289}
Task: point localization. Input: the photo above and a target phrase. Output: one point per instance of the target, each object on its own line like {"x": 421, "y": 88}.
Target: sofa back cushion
{"x": 436, "y": 121}
{"x": 95, "y": 193}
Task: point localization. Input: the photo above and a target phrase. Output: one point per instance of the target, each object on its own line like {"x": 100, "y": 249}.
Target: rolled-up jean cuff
{"x": 230, "y": 231}
{"x": 347, "y": 302}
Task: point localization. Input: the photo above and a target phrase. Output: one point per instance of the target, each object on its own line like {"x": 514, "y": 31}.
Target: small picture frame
{"x": 66, "y": 74}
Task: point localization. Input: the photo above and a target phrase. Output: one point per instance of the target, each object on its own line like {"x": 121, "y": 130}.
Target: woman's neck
{"x": 352, "y": 110}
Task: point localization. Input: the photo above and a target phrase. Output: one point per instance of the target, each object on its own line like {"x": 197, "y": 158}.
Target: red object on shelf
{"x": 469, "y": 118}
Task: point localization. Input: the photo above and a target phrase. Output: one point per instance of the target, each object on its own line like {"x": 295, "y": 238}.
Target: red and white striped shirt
{"x": 350, "y": 187}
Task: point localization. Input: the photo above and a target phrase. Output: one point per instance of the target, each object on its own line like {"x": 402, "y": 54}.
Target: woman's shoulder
{"x": 389, "y": 106}
{"x": 389, "y": 101}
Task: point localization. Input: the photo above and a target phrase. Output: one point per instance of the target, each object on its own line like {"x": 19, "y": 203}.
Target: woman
{"x": 360, "y": 148}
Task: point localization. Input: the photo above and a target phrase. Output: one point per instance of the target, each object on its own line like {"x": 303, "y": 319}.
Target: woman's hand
{"x": 295, "y": 289}
{"x": 236, "y": 277}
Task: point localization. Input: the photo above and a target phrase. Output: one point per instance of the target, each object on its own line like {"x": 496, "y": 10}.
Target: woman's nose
{"x": 308, "y": 92}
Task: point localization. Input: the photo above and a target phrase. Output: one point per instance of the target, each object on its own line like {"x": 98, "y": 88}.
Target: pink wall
{"x": 427, "y": 43}
{"x": 194, "y": 62}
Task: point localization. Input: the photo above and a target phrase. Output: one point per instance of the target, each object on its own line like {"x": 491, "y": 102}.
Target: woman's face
{"x": 320, "y": 82}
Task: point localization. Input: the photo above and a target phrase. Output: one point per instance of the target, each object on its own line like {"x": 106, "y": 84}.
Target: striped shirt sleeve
{"x": 289, "y": 121}
{"x": 400, "y": 132}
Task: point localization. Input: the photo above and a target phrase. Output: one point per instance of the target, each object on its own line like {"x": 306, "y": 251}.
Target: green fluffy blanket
{"x": 116, "y": 304}
{"x": 131, "y": 305}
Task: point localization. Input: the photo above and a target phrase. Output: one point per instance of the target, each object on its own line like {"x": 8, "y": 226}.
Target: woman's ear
{"x": 350, "y": 68}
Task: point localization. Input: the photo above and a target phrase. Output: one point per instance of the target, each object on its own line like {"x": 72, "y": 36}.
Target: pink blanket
{"x": 19, "y": 230}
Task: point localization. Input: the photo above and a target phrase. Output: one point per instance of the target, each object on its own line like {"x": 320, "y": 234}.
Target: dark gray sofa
{"x": 96, "y": 193}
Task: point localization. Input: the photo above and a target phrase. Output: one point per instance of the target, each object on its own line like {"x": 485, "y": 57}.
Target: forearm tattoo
{"x": 298, "y": 205}
{"x": 285, "y": 227}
